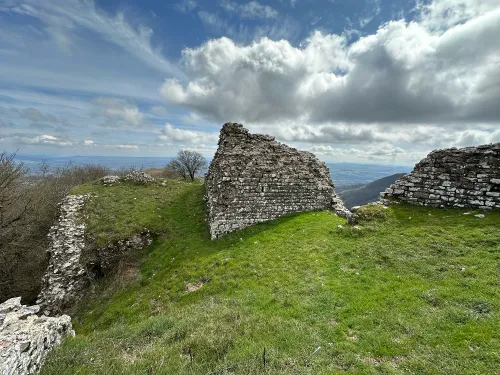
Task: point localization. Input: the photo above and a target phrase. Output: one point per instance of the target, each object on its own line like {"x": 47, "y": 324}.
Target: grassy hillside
{"x": 369, "y": 192}
{"x": 415, "y": 291}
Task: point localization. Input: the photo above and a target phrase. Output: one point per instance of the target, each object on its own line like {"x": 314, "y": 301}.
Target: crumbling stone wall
{"x": 26, "y": 339}
{"x": 253, "y": 178}
{"x": 75, "y": 261}
{"x": 467, "y": 177}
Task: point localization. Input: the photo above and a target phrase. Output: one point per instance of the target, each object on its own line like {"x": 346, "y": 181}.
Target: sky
{"x": 372, "y": 81}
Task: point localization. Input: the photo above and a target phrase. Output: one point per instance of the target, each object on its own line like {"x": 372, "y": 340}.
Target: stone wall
{"x": 467, "y": 177}
{"x": 65, "y": 276}
{"x": 75, "y": 261}
{"x": 253, "y": 178}
{"x": 25, "y": 338}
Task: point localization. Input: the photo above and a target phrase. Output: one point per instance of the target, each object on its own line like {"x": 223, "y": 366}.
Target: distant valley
{"x": 359, "y": 195}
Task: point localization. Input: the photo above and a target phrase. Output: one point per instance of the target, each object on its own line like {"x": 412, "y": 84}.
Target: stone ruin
{"x": 75, "y": 261}
{"x": 466, "y": 177}
{"x": 253, "y": 179}
{"x": 26, "y": 339}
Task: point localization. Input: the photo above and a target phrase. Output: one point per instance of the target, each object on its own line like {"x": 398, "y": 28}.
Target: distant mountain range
{"x": 359, "y": 195}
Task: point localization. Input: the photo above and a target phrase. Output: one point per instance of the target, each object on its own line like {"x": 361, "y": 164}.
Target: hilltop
{"x": 414, "y": 290}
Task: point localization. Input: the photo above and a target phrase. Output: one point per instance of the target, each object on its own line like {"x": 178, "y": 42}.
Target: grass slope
{"x": 415, "y": 292}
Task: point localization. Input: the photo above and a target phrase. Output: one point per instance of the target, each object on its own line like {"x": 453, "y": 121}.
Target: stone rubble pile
{"x": 65, "y": 276}
{"x": 253, "y": 178}
{"x": 110, "y": 180}
{"x": 139, "y": 177}
{"x": 467, "y": 177}
{"x": 26, "y": 339}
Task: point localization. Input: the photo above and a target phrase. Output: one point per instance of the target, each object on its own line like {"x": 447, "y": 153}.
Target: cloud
{"x": 405, "y": 73}
{"x": 38, "y": 140}
{"x": 159, "y": 110}
{"x": 63, "y": 18}
{"x": 88, "y": 143}
{"x": 186, "y": 6}
{"x": 443, "y": 14}
{"x": 252, "y": 10}
{"x": 183, "y": 136}
{"x": 384, "y": 154}
{"x": 259, "y": 82}
{"x": 118, "y": 111}
{"x": 37, "y": 116}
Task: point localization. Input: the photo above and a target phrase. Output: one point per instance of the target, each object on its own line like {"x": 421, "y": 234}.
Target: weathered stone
{"x": 64, "y": 279}
{"x": 467, "y": 177}
{"x": 253, "y": 178}
{"x": 139, "y": 177}
{"x": 75, "y": 261}
{"x": 110, "y": 180}
{"x": 25, "y": 339}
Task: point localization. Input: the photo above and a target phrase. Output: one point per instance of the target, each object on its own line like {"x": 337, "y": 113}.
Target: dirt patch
{"x": 193, "y": 287}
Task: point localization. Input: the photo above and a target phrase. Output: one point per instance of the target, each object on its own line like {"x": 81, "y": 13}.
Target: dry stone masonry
{"x": 466, "y": 177}
{"x": 253, "y": 178}
{"x": 75, "y": 261}
{"x": 65, "y": 276}
{"x": 25, "y": 338}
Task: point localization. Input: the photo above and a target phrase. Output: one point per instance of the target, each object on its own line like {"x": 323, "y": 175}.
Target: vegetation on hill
{"x": 364, "y": 194}
{"x": 416, "y": 290}
{"x": 28, "y": 208}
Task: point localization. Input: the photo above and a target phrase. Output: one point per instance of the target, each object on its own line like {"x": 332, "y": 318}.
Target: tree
{"x": 11, "y": 192}
{"x": 188, "y": 164}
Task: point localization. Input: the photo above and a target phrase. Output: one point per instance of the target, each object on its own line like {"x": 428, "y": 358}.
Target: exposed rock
{"x": 466, "y": 177}
{"x": 75, "y": 261}
{"x": 139, "y": 177}
{"x": 25, "y": 339}
{"x": 479, "y": 216}
{"x": 110, "y": 180}
{"x": 253, "y": 178}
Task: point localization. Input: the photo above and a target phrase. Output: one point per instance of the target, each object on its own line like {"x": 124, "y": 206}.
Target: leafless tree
{"x": 28, "y": 207}
{"x": 188, "y": 164}
{"x": 11, "y": 212}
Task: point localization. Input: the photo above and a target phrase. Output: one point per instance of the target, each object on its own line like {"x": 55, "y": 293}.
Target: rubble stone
{"x": 110, "y": 180}
{"x": 75, "y": 261}
{"x": 139, "y": 177}
{"x": 26, "y": 339}
{"x": 253, "y": 178}
{"x": 466, "y": 177}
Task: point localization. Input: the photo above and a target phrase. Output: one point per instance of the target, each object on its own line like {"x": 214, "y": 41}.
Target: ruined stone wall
{"x": 75, "y": 261}
{"x": 26, "y": 339}
{"x": 467, "y": 177}
{"x": 253, "y": 178}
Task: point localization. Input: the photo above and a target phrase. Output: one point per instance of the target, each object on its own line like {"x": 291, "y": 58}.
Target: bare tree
{"x": 11, "y": 172}
{"x": 28, "y": 208}
{"x": 188, "y": 164}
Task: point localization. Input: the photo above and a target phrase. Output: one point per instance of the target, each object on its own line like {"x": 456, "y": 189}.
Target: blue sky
{"x": 379, "y": 81}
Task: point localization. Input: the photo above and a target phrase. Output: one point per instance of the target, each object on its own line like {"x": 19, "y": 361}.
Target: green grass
{"x": 415, "y": 291}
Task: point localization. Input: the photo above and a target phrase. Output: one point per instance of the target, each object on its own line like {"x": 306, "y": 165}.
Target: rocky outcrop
{"x": 25, "y": 338}
{"x": 75, "y": 260}
{"x": 466, "y": 177}
{"x": 253, "y": 178}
